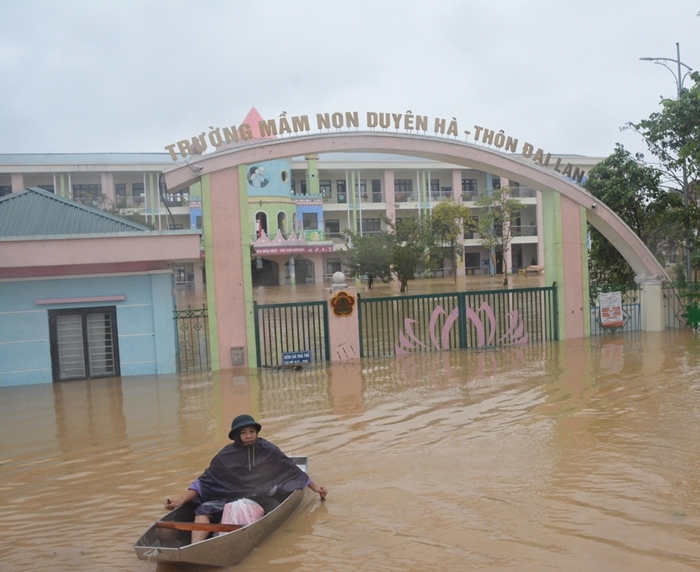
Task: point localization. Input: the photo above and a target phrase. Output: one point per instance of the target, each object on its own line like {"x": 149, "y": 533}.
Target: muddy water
{"x": 577, "y": 456}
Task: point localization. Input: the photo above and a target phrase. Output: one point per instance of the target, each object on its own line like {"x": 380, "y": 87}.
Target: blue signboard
{"x": 296, "y": 357}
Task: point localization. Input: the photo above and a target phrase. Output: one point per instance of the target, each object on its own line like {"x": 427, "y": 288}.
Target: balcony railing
{"x": 524, "y": 230}
{"x": 516, "y": 192}
{"x": 441, "y": 195}
{"x": 523, "y": 192}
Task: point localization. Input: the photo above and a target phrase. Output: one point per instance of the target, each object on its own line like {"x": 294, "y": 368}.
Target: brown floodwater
{"x": 579, "y": 455}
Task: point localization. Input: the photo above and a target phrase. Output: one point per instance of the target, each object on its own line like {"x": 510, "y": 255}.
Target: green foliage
{"x": 103, "y": 202}
{"x": 443, "y": 228}
{"x": 371, "y": 255}
{"x": 408, "y": 251}
{"x": 498, "y": 211}
{"x": 633, "y": 191}
{"x": 673, "y": 136}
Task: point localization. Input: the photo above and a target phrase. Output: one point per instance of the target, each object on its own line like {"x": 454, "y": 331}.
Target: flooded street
{"x": 579, "y": 455}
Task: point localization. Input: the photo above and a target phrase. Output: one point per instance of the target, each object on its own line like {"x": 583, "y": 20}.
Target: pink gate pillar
{"x": 343, "y": 323}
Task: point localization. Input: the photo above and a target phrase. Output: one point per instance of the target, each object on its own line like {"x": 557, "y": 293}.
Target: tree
{"x": 447, "y": 223}
{"x": 498, "y": 210}
{"x": 104, "y": 203}
{"x": 408, "y": 251}
{"x": 673, "y": 136}
{"x": 370, "y": 255}
{"x": 633, "y": 191}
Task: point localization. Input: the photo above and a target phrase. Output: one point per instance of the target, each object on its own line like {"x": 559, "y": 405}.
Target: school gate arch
{"x": 566, "y": 208}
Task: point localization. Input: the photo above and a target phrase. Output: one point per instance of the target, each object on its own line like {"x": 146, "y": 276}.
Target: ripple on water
{"x": 575, "y": 455}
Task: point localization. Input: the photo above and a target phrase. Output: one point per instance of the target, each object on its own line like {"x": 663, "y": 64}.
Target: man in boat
{"x": 251, "y": 467}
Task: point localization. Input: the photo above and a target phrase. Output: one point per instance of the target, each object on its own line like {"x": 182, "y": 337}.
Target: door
{"x": 84, "y": 343}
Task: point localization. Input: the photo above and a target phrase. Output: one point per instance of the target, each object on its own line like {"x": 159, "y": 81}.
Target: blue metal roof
{"x": 36, "y": 212}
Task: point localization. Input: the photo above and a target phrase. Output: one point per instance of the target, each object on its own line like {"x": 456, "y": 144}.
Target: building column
{"x": 17, "y": 181}
{"x": 507, "y": 255}
{"x": 540, "y": 230}
{"x": 292, "y": 271}
{"x": 457, "y": 197}
{"x": 199, "y": 275}
{"x": 651, "y": 301}
{"x": 318, "y": 268}
{"x": 389, "y": 198}
{"x": 108, "y": 187}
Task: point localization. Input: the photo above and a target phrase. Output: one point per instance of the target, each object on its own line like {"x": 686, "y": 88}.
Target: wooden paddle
{"x": 206, "y": 526}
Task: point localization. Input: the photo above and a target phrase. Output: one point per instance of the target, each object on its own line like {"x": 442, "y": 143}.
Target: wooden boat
{"x": 161, "y": 544}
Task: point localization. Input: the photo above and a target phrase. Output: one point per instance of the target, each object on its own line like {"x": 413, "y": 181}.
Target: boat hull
{"x": 168, "y": 545}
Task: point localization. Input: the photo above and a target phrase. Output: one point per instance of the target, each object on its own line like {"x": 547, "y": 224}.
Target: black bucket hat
{"x": 243, "y": 421}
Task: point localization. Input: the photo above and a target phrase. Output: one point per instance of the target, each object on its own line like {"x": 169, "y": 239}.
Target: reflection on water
{"x": 577, "y": 455}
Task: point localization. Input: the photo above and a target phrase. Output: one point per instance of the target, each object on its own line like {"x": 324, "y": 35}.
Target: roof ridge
{"x": 25, "y": 217}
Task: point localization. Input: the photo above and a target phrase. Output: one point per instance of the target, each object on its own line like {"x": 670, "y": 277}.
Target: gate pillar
{"x": 343, "y": 322}
{"x": 651, "y": 301}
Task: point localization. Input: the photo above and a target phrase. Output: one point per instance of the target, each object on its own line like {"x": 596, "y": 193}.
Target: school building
{"x": 299, "y": 210}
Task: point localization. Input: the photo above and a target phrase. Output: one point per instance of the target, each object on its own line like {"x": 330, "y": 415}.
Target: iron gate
{"x": 285, "y": 329}
{"x": 433, "y": 322}
{"x": 193, "y": 339}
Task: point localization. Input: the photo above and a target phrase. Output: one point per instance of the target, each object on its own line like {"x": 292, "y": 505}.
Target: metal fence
{"x": 679, "y": 298}
{"x": 291, "y": 329}
{"x": 432, "y": 322}
{"x": 193, "y": 339}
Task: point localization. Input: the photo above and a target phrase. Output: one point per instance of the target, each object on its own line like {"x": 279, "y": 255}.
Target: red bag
{"x": 242, "y": 511}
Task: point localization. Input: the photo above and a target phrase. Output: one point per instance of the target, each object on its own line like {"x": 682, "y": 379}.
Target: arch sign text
{"x": 296, "y": 125}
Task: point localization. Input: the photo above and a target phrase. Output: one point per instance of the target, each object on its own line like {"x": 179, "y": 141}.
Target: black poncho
{"x": 240, "y": 471}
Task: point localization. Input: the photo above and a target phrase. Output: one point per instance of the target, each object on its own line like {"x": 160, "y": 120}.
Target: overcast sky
{"x": 134, "y": 76}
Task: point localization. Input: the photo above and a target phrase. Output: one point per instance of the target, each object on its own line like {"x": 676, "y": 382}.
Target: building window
{"x": 120, "y": 194}
{"x": 472, "y": 261}
{"x": 403, "y": 190}
{"x": 342, "y": 191}
{"x": 293, "y": 187}
{"x": 48, "y": 188}
{"x": 469, "y": 185}
{"x": 377, "y": 191}
{"x": 310, "y": 221}
{"x": 333, "y": 266}
{"x": 469, "y": 189}
{"x": 496, "y": 182}
{"x": 303, "y": 187}
{"x": 84, "y": 343}
{"x": 333, "y": 227}
{"x": 325, "y": 188}
{"x": 180, "y": 274}
{"x": 371, "y": 225}
{"x": 361, "y": 189}
{"x": 5, "y": 190}
{"x": 86, "y": 193}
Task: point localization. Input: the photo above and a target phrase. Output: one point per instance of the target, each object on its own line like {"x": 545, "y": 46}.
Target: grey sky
{"x": 565, "y": 75}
